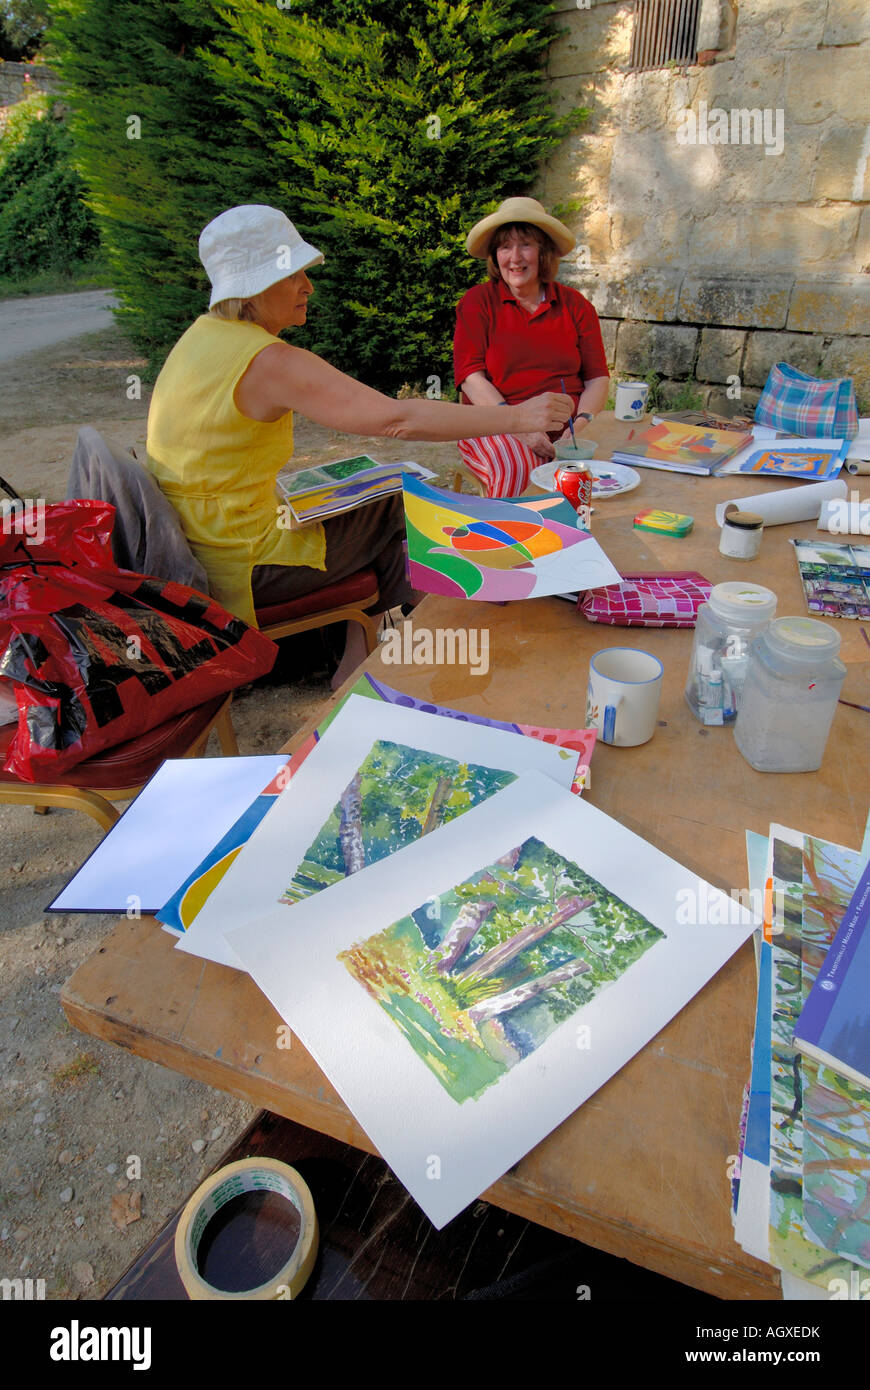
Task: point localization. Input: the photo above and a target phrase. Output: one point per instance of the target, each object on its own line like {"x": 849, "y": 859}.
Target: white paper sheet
{"x": 446, "y": 1153}
{"x": 786, "y": 505}
{"x": 263, "y": 869}
{"x": 162, "y": 836}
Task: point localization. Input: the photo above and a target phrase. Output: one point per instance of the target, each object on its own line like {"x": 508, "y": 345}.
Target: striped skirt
{"x": 501, "y": 462}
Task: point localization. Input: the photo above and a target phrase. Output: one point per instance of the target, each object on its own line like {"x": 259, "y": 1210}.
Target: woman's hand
{"x": 539, "y": 443}
{"x": 542, "y": 414}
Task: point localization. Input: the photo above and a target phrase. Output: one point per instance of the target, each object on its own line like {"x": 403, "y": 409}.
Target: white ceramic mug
{"x": 631, "y": 400}
{"x": 622, "y": 701}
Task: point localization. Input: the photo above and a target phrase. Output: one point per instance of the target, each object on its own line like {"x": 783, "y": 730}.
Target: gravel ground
{"x": 100, "y": 1147}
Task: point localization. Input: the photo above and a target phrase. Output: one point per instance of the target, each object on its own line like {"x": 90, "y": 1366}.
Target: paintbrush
{"x": 570, "y": 420}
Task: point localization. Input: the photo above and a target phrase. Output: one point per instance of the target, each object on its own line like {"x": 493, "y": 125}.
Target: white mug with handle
{"x": 622, "y": 700}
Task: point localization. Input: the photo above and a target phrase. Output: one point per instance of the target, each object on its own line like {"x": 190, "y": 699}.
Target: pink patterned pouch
{"x": 648, "y": 600}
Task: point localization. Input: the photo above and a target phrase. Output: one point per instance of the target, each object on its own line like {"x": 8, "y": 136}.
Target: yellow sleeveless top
{"x": 218, "y": 467}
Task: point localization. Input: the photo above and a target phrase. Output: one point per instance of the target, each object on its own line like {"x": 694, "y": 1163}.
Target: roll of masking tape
{"x": 248, "y": 1175}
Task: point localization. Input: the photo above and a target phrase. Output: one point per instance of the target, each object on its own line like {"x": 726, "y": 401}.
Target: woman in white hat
{"x": 220, "y": 428}
{"x": 521, "y": 333}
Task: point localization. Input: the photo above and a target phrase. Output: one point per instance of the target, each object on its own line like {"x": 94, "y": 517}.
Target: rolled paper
{"x": 787, "y": 505}
{"x": 860, "y": 466}
{"x": 850, "y": 518}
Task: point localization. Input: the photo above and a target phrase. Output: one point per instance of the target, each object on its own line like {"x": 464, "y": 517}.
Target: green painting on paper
{"x": 397, "y": 795}
{"x": 478, "y": 977}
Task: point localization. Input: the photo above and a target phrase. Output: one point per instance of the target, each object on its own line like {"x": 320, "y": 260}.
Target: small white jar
{"x": 740, "y": 538}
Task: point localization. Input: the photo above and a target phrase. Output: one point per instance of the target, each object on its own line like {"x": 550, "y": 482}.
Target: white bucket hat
{"x": 248, "y": 248}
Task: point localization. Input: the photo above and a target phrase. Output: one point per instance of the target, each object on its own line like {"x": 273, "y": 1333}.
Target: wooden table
{"x": 641, "y": 1170}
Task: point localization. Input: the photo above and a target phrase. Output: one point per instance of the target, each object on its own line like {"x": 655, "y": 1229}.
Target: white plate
{"x": 608, "y": 479}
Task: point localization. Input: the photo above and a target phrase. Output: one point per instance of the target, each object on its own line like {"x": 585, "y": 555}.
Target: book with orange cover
{"x": 680, "y": 448}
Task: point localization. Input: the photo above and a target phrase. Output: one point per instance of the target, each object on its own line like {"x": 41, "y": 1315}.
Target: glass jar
{"x": 727, "y": 622}
{"x": 790, "y": 695}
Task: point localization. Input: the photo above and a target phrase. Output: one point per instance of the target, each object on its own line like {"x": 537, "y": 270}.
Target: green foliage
{"x": 384, "y": 130}
{"x": 44, "y": 225}
{"x": 22, "y": 23}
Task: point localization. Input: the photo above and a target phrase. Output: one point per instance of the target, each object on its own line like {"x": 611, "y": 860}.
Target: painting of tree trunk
{"x": 477, "y": 978}
{"x": 397, "y": 795}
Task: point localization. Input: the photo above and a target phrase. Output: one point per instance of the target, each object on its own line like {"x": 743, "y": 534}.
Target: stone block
{"x": 801, "y": 350}
{"x": 579, "y": 168}
{"x": 846, "y": 21}
{"x": 571, "y": 93}
{"x": 843, "y": 169}
{"x": 830, "y": 82}
{"x": 592, "y": 40}
{"x": 652, "y": 294}
{"x": 661, "y": 347}
{"x": 774, "y": 27}
{"x": 609, "y": 329}
{"x": 862, "y": 244}
{"x": 850, "y": 357}
{"x": 605, "y": 290}
{"x": 657, "y": 238}
{"x": 720, "y": 239}
{"x": 720, "y": 354}
{"x": 804, "y": 237}
{"x": 721, "y": 403}
{"x": 736, "y": 302}
{"x": 830, "y": 306}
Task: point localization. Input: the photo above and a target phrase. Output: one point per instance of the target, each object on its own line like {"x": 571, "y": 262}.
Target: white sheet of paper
{"x": 447, "y": 1153}
{"x": 266, "y": 864}
{"x": 169, "y": 828}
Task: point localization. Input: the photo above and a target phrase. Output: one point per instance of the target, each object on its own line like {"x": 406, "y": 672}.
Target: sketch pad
{"x": 447, "y": 1151}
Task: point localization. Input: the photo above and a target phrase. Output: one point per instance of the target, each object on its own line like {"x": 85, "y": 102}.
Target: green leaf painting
{"x": 397, "y": 795}
{"x": 478, "y": 977}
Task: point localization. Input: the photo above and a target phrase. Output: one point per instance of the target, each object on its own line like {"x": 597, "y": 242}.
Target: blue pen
{"x": 570, "y": 422}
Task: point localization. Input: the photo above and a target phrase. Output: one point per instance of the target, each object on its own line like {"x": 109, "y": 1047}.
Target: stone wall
{"x": 19, "y": 80}
{"x": 714, "y": 241}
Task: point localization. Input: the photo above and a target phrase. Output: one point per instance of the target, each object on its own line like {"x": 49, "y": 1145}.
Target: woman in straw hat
{"x": 520, "y": 333}
{"x": 220, "y": 428}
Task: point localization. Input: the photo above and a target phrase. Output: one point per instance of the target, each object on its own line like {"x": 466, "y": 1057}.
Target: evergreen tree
{"x": 384, "y": 131}
{"x": 44, "y": 224}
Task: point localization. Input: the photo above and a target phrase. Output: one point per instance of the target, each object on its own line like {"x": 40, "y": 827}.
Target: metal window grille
{"x": 665, "y": 31}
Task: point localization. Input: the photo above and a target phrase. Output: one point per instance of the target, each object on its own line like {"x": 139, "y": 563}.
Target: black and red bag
{"x": 99, "y": 655}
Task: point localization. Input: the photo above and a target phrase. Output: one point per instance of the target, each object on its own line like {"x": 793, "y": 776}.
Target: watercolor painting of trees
{"x": 397, "y": 795}
{"x": 477, "y": 978}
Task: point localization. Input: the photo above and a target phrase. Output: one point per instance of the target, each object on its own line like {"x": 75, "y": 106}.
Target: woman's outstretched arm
{"x": 282, "y": 378}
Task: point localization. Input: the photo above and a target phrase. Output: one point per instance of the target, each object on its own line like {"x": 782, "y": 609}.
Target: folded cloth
{"x": 648, "y": 600}
{"x": 147, "y": 536}
{"x": 805, "y": 405}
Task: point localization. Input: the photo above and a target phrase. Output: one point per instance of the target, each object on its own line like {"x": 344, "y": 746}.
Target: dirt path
{"x": 81, "y": 1118}
{"x": 42, "y": 321}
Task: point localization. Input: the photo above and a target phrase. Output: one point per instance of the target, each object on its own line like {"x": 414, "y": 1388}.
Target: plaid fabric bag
{"x": 802, "y": 404}
{"x": 648, "y": 600}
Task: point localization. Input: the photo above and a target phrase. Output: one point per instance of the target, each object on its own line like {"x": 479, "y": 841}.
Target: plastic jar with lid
{"x": 733, "y": 614}
{"x": 790, "y": 695}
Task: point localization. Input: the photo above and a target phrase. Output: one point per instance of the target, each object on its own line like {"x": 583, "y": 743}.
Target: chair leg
{"x": 74, "y": 798}
{"x": 223, "y": 727}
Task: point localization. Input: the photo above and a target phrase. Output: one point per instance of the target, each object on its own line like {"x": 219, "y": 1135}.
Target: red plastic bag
{"x": 100, "y": 655}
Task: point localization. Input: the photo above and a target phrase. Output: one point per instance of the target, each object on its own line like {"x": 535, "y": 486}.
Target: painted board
{"x": 494, "y": 549}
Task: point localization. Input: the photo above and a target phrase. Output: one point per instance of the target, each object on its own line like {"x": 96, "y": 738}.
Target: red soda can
{"x": 575, "y": 484}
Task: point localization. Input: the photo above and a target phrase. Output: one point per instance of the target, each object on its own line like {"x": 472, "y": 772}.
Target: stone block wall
{"x": 722, "y": 210}
{"x": 19, "y": 80}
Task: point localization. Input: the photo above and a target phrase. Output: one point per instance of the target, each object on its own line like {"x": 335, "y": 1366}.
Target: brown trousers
{"x": 372, "y": 536}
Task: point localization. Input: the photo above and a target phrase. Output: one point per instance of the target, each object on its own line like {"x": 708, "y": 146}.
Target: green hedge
{"x": 383, "y": 129}
{"x": 44, "y": 224}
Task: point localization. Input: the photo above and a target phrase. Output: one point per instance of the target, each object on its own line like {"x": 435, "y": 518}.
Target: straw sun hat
{"x": 517, "y": 210}
{"x": 248, "y": 248}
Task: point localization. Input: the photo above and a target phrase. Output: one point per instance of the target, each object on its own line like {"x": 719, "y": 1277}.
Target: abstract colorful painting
{"x": 494, "y": 549}
{"x": 813, "y": 464}
{"x": 397, "y": 795}
{"x": 477, "y": 978}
